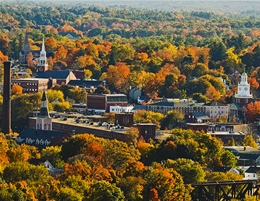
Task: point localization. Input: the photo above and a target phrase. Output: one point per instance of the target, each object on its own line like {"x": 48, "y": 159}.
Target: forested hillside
{"x": 166, "y": 53}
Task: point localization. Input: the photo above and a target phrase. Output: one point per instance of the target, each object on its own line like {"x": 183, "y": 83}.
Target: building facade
{"x": 32, "y": 85}
{"x": 217, "y": 110}
{"x": 183, "y": 105}
{"x": 243, "y": 96}
{"x": 100, "y": 103}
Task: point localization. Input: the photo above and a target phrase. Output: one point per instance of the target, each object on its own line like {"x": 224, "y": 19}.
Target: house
{"x": 90, "y": 85}
{"x": 246, "y": 156}
{"x": 134, "y": 94}
{"x": 251, "y": 173}
{"x": 62, "y": 76}
{"x": 52, "y": 170}
{"x": 196, "y": 117}
{"x": 70, "y": 35}
{"x": 100, "y": 103}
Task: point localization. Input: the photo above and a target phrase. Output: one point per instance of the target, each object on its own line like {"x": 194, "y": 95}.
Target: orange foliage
{"x": 50, "y": 43}
{"x": 95, "y": 150}
{"x": 67, "y": 28}
{"x": 61, "y": 54}
{"x": 252, "y": 111}
{"x": 3, "y": 57}
{"x": 16, "y": 89}
{"x": 253, "y": 83}
{"x": 212, "y": 93}
{"x": 118, "y": 76}
{"x": 153, "y": 195}
{"x": 80, "y": 169}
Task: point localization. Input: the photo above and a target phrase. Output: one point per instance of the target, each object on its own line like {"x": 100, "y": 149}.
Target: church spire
{"x": 44, "y": 111}
{"x": 43, "y": 64}
{"x": 43, "y": 45}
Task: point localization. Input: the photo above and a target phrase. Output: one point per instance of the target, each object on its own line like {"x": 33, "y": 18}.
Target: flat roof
{"x": 30, "y": 79}
{"x": 242, "y": 149}
{"x": 71, "y": 121}
{"x": 225, "y": 133}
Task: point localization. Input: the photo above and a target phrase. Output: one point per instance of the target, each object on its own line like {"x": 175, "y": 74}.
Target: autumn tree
{"x": 118, "y": 76}
{"x": 249, "y": 141}
{"x": 53, "y": 155}
{"x": 133, "y": 135}
{"x": 171, "y": 119}
{"x": 142, "y": 116}
{"x": 252, "y": 111}
{"x": 61, "y": 54}
{"x": 16, "y": 90}
{"x": 102, "y": 190}
{"x": 190, "y": 171}
{"x": 55, "y": 95}
{"x": 50, "y": 43}
{"x": 167, "y": 182}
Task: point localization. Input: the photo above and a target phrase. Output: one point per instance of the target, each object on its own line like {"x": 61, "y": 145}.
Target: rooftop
{"x": 242, "y": 149}
{"x": 224, "y": 133}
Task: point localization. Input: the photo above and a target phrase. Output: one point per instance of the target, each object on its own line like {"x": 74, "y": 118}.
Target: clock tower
{"x": 43, "y": 64}
{"x": 243, "y": 96}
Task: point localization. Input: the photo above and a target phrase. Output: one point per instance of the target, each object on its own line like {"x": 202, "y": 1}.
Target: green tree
{"x": 55, "y": 95}
{"x": 190, "y": 171}
{"x": 228, "y": 159}
{"x": 218, "y": 51}
{"x": 52, "y": 154}
{"x": 32, "y": 174}
{"x": 68, "y": 194}
{"x": 171, "y": 119}
{"x": 102, "y": 190}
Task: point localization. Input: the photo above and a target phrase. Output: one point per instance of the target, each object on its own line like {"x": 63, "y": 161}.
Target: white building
{"x": 120, "y": 109}
{"x": 217, "y": 110}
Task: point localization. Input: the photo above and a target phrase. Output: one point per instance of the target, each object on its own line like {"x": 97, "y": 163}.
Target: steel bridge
{"x": 224, "y": 190}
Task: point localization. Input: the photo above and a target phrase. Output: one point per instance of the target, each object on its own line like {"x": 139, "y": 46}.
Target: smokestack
{"x": 6, "y": 123}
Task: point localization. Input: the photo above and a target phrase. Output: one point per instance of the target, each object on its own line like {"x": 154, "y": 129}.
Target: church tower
{"x": 243, "y": 96}
{"x": 43, "y": 64}
{"x": 44, "y": 121}
{"x": 25, "y": 50}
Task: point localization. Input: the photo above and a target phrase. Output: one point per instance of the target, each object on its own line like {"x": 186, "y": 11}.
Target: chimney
{"x": 6, "y": 123}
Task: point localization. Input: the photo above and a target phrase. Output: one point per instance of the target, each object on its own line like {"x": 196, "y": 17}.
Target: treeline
{"x": 192, "y": 27}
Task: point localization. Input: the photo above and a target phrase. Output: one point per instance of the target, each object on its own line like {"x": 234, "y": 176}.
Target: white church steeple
{"x": 43, "y": 64}
{"x": 243, "y": 95}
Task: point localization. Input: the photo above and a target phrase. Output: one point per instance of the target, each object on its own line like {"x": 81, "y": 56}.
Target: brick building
{"x": 32, "y": 85}
{"x": 100, "y": 103}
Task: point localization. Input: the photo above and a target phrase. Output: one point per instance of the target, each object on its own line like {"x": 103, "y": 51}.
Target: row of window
{"x": 220, "y": 129}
